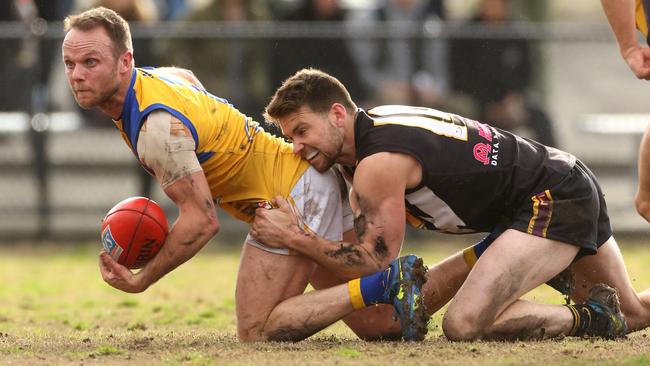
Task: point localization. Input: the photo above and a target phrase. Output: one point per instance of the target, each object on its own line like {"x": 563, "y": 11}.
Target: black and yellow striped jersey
{"x": 473, "y": 175}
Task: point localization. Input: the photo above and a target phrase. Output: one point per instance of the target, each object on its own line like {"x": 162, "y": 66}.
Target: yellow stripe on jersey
{"x": 641, "y": 17}
{"x": 243, "y": 164}
{"x": 414, "y": 221}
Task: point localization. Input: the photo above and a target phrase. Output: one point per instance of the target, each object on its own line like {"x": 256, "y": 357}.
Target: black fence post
{"x": 39, "y": 125}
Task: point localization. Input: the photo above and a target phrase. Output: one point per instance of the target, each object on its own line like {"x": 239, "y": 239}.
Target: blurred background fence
{"x": 546, "y": 69}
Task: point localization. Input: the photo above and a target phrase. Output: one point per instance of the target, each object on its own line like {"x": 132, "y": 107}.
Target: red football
{"x": 133, "y": 231}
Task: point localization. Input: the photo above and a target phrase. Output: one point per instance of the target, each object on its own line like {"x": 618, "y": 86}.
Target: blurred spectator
{"x": 27, "y": 62}
{"x": 14, "y": 64}
{"x": 497, "y": 75}
{"x": 403, "y": 70}
{"x": 49, "y": 49}
{"x": 172, "y": 9}
{"x": 234, "y": 69}
{"x": 331, "y": 55}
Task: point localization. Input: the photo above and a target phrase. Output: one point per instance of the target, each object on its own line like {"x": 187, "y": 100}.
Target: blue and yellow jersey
{"x": 642, "y": 17}
{"x": 243, "y": 164}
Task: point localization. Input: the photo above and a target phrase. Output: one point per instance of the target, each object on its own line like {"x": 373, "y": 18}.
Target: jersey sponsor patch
{"x": 486, "y": 152}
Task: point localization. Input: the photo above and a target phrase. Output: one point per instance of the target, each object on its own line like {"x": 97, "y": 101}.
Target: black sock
{"x": 581, "y": 319}
{"x": 586, "y": 321}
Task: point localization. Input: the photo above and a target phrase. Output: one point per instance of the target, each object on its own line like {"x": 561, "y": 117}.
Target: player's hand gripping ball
{"x": 133, "y": 231}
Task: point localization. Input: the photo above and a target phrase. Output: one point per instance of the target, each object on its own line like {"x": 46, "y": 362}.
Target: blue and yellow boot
{"x": 406, "y": 277}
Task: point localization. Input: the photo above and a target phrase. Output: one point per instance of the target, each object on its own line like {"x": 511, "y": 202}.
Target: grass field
{"x": 55, "y": 309}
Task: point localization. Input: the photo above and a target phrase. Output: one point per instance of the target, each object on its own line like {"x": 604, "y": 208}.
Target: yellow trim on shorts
{"x": 537, "y": 202}
{"x": 470, "y": 256}
{"x": 354, "y": 289}
{"x": 531, "y": 223}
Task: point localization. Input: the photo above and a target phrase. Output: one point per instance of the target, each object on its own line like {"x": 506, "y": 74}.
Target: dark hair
{"x": 308, "y": 87}
{"x": 115, "y": 26}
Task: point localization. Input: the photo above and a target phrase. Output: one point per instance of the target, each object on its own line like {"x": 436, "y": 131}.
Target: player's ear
{"x": 126, "y": 61}
{"x": 339, "y": 112}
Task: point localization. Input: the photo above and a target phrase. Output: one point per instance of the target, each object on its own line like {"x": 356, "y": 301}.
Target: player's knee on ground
{"x": 279, "y": 335}
{"x": 287, "y": 335}
{"x": 268, "y": 330}
{"x": 461, "y": 326}
{"x": 257, "y": 334}
{"x": 249, "y": 331}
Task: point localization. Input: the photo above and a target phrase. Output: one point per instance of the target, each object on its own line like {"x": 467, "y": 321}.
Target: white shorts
{"x": 321, "y": 204}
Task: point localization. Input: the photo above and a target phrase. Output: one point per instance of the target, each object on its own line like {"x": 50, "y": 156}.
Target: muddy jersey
{"x": 243, "y": 164}
{"x": 474, "y": 176}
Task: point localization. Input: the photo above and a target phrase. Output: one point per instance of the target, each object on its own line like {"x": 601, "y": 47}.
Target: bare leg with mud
{"x": 270, "y": 301}
{"x": 271, "y": 306}
{"x": 371, "y": 323}
{"x": 608, "y": 267}
{"x": 444, "y": 279}
{"x": 377, "y": 322}
{"x": 264, "y": 280}
{"x": 487, "y": 305}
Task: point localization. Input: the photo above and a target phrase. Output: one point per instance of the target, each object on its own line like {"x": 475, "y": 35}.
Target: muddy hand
{"x": 272, "y": 227}
{"x": 117, "y": 275}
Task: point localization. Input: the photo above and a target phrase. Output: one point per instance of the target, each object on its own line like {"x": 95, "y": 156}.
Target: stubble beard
{"x": 103, "y": 98}
{"x": 330, "y": 159}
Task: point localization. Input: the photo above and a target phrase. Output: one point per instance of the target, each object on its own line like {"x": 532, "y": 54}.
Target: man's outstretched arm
{"x": 196, "y": 224}
{"x": 165, "y": 146}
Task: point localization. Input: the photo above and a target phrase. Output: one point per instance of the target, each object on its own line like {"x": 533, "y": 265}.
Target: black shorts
{"x": 572, "y": 211}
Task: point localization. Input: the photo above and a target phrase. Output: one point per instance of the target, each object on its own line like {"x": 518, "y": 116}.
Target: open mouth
{"x": 312, "y": 155}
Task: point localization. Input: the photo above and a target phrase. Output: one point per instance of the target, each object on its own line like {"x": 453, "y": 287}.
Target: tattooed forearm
{"x": 353, "y": 255}
{"x": 360, "y": 226}
{"x": 363, "y": 226}
{"x": 371, "y": 249}
{"x": 380, "y": 248}
{"x": 349, "y": 253}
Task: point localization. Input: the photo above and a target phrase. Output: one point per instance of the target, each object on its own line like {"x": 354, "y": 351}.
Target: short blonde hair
{"x": 115, "y": 26}
{"x": 308, "y": 87}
